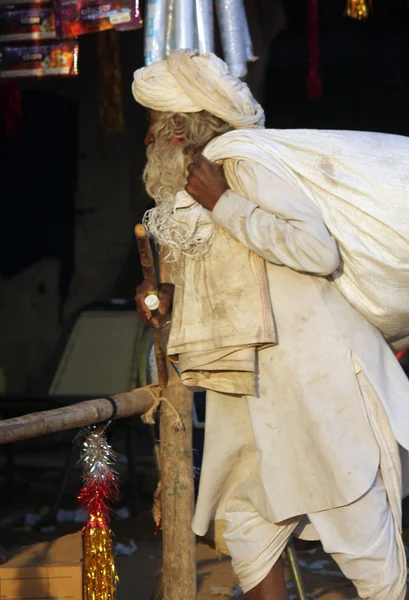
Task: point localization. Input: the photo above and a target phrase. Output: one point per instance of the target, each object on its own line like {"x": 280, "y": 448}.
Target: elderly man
{"x": 307, "y": 407}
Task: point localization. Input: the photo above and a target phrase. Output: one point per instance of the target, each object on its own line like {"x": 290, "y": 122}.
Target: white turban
{"x": 186, "y": 82}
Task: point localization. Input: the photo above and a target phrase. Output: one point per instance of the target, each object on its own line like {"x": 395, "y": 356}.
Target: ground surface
{"x": 215, "y": 577}
{"x": 35, "y": 487}
{"x": 139, "y": 571}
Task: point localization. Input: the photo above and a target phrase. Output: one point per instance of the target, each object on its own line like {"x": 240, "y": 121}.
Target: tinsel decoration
{"x": 314, "y": 87}
{"x": 358, "y": 9}
{"x": 100, "y": 488}
{"x": 110, "y": 83}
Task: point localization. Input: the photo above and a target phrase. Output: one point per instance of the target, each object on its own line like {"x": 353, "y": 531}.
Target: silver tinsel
{"x": 97, "y": 457}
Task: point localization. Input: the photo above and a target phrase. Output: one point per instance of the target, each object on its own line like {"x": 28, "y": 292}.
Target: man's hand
{"x": 166, "y": 291}
{"x": 206, "y": 182}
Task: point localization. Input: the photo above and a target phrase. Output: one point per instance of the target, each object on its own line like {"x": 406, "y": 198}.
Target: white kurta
{"x": 302, "y": 444}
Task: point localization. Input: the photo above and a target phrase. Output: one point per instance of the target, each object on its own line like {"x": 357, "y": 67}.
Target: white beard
{"x": 166, "y": 168}
{"x": 181, "y": 224}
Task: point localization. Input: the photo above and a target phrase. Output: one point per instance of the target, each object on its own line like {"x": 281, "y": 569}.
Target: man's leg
{"x": 364, "y": 539}
{"x": 272, "y": 587}
{"x": 256, "y": 546}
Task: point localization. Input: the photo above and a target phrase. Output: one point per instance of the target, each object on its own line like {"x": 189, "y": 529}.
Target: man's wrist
{"x": 219, "y": 198}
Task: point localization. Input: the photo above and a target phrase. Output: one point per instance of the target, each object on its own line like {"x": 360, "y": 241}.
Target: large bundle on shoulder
{"x": 360, "y": 181}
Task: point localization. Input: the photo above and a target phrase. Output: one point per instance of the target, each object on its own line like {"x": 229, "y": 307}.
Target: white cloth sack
{"x": 360, "y": 181}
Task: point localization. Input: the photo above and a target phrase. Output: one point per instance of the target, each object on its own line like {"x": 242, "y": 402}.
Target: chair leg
{"x": 295, "y": 571}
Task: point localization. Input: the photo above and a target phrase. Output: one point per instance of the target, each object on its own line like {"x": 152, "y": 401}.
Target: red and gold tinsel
{"x": 358, "y": 9}
{"x": 100, "y": 487}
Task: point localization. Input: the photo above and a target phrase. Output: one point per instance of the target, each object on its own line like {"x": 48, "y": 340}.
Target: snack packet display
{"x": 77, "y": 17}
{"x": 10, "y": 4}
{"x": 39, "y": 59}
{"x": 29, "y": 23}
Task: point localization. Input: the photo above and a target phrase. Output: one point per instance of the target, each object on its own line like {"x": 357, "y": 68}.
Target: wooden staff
{"x": 176, "y": 465}
{"x": 148, "y": 270}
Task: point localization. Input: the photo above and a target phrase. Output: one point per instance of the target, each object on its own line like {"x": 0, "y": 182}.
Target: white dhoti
{"x": 364, "y": 537}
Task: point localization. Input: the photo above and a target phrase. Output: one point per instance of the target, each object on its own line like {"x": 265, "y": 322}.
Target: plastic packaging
{"x": 205, "y": 25}
{"x": 248, "y": 44}
{"x": 170, "y": 28}
{"x": 14, "y": 3}
{"x": 230, "y": 15}
{"x": 38, "y": 60}
{"x": 78, "y": 17}
{"x": 185, "y": 19}
{"x": 155, "y": 30}
{"x": 30, "y": 23}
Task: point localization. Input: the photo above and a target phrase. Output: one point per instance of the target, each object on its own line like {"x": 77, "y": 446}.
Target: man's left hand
{"x": 206, "y": 182}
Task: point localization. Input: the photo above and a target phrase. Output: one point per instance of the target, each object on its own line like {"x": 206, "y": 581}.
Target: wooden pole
{"x": 177, "y": 497}
{"x": 81, "y": 414}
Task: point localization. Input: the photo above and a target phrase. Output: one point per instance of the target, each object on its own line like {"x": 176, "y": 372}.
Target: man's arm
{"x": 273, "y": 219}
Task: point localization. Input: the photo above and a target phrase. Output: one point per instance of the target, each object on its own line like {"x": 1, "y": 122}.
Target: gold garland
{"x": 358, "y": 9}
{"x": 100, "y": 576}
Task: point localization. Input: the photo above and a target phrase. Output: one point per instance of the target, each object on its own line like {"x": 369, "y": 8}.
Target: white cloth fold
{"x": 222, "y": 314}
{"x": 213, "y": 370}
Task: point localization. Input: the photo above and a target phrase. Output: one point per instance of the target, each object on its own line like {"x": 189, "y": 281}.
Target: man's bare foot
{"x": 272, "y": 587}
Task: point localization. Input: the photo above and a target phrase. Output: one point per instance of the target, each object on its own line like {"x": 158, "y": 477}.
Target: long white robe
{"x": 302, "y": 444}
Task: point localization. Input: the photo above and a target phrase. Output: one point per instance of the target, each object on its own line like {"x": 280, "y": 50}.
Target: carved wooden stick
{"x": 148, "y": 270}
